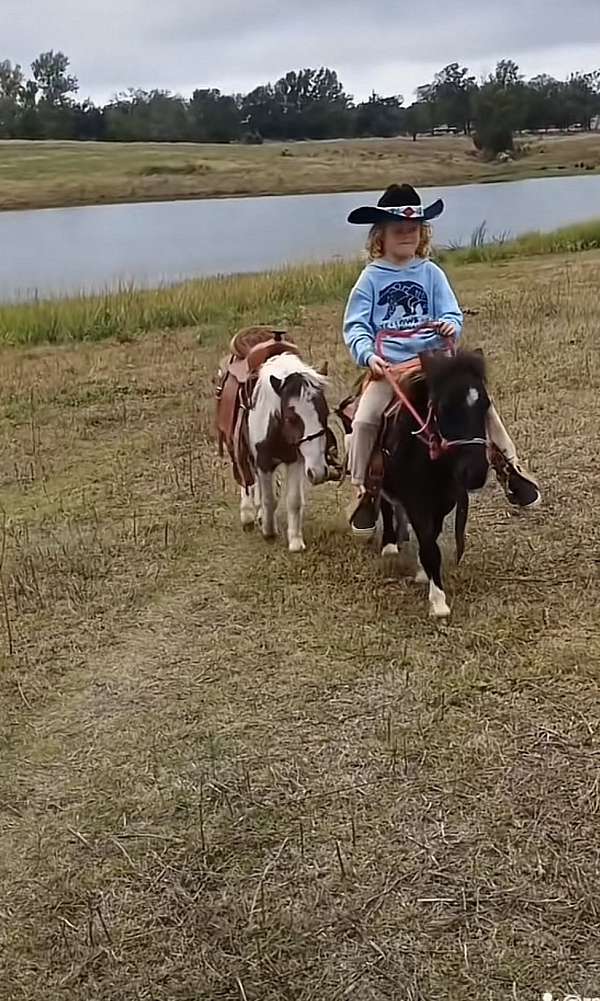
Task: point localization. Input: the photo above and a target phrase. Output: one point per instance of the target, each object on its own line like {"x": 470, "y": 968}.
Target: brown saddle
{"x": 250, "y": 348}
{"x": 403, "y": 374}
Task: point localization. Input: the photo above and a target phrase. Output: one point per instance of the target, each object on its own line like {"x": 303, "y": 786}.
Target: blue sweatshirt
{"x": 388, "y": 297}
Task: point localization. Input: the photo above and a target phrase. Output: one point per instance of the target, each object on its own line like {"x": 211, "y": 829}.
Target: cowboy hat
{"x": 398, "y": 202}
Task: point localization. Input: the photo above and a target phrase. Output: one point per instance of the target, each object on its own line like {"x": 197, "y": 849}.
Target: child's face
{"x": 401, "y": 239}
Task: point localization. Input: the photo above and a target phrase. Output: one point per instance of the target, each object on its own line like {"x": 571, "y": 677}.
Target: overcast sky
{"x": 386, "y": 45}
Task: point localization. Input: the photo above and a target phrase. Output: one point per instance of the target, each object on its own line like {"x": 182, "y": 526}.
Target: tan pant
{"x": 372, "y": 404}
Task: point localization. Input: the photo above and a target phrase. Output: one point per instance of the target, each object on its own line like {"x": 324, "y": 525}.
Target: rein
{"x": 427, "y": 430}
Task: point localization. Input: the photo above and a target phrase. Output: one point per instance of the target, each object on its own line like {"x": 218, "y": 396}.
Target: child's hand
{"x": 378, "y": 366}
{"x": 445, "y": 328}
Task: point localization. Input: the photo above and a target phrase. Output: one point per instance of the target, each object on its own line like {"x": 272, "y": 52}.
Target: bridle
{"x": 312, "y": 437}
{"x": 428, "y": 430}
{"x": 296, "y": 442}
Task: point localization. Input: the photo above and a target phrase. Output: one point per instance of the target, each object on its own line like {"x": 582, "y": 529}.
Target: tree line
{"x": 303, "y": 104}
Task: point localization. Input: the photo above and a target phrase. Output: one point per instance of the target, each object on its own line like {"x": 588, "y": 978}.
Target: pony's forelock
{"x": 285, "y": 365}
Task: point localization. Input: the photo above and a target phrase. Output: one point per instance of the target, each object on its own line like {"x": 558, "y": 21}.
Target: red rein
{"x": 436, "y": 444}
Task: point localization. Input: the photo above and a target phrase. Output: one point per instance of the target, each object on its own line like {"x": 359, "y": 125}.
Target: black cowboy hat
{"x": 398, "y": 202}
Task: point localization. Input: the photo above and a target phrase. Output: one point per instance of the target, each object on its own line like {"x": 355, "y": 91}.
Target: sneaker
{"x": 363, "y": 518}
{"x": 522, "y": 490}
{"x": 519, "y": 486}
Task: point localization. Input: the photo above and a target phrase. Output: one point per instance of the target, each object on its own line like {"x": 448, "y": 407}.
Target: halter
{"x": 428, "y": 430}
{"x": 312, "y": 437}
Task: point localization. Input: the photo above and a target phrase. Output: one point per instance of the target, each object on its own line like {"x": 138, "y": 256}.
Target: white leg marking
{"x": 438, "y": 606}
{"x": 295, "y": 506}
{"x": 267, "y": 505}
{"x": 390, "y": 549}
{"x": 247, "y": 508}
{"x": 421, "y": 576}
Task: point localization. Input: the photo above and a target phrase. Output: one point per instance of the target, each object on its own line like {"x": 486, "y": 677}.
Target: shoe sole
{"x": 533, "y": 506}
{"x": 363, "y": 533}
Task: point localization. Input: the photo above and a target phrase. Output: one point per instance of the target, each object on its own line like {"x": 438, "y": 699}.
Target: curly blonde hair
{"x": 375, "y": 241}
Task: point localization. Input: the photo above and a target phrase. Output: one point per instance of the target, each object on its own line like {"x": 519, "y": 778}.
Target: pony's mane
{"x": 282, "y": 367}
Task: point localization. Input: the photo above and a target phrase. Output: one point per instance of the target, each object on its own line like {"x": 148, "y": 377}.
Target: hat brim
{"x": 368, "y": 215}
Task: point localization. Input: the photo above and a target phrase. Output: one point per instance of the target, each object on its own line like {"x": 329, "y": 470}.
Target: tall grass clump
{"x": 483, "y": 249}
{"x": 226, "y": 302}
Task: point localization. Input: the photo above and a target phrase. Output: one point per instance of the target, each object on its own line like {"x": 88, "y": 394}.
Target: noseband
{"x": 312, "y": 437}
{"x": 296, "y": 442}
{"x": 430, "y": 433}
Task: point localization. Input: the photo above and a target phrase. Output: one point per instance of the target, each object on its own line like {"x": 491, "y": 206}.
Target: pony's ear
{"x": 477, "y": 361}
{"x": 277, "y": 384}
{"x": 431, "y": 362}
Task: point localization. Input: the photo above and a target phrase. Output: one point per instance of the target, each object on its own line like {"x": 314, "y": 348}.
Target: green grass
{"x": 215, "y": 304}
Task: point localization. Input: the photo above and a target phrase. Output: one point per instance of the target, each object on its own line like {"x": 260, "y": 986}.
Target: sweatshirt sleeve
{"x": 445, "y": 303}
{"x": 359, "y": 334}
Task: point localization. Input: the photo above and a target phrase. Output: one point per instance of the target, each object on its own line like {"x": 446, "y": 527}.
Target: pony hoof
{"x": 296, "y": 546}
{"x": 421, "y": 577}
{"x": 438, "y": 606}
{"x": 439, "y": 609}
{"x": 390, "y": 549}
{"x": 248, "y": 526}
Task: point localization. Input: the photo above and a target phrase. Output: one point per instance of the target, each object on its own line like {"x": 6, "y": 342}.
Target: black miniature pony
{"x": 435, "y": 452}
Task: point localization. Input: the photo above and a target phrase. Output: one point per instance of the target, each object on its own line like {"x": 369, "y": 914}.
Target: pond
{"x": 51, "y": 252}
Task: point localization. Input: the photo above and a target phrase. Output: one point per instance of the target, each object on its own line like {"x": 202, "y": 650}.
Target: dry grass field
{"x": 43, "y": 174}
{"x": 232, "y": 774}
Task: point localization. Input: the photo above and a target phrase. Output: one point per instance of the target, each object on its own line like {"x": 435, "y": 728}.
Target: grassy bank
{"x": 215, "y": 304}
{"x": 228, "y": 773}
{"x": 39, "y": 175}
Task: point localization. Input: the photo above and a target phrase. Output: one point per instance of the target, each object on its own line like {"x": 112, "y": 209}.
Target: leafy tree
{"x": 54, "y": 84}
{"x": 11, "y": 97}
{"x": 417, "y": 119}
{"x": 214, "y": 117}
{"x": 429, "y": 107}
{"x": 149, "y": 116}
{"x": 506, "y": 75}
{"x": 581, "y": 97}
{"x": 302, "y": 104}
{"x": 379, "y": 116}
{"x": 262, "y": 113}
{"x": 453, "y": 91}
{"x": 311, "y": 104}
{"x": 499, "y": 109}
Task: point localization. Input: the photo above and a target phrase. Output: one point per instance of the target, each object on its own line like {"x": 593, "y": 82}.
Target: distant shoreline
{"x": 39, "y": 175}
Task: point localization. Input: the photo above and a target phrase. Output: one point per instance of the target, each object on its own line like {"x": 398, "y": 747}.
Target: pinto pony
{"x": 272, "y": 412}
{"x": 287, "y": 425}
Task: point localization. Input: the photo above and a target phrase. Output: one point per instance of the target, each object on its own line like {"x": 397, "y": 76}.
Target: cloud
{"x": 236, "y": 45}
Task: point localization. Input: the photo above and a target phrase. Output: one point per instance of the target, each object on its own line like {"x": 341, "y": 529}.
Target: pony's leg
{"x": 267, "y": 505}
{"x": 295, "y": 506}
{"x": 247, "y": 506}
{"x": 402, "y": 526}
{"x": 389, "y": 541}
{"x": 431, "y": 561}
